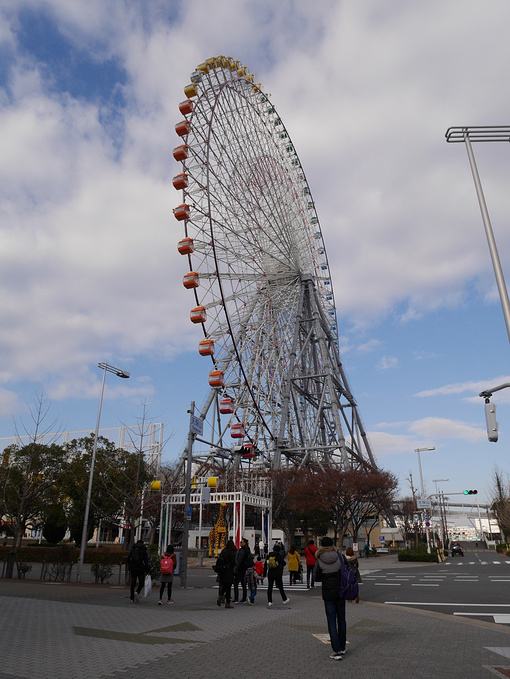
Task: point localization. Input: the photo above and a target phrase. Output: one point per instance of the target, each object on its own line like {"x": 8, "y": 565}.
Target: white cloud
{"x": 88, "y": 386}
{"x": 368, "y": 346}
{"x": 436, "y": 428}
{"x": 425, "y": 432}
{"x": 88, "y": 264}
{"x": 387, "y": 363}
{"x": 474, "y": 387}
{"x": 387, "y": 444}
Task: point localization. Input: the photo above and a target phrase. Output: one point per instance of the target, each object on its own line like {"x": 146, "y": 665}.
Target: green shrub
{"x": 416, "y": 555}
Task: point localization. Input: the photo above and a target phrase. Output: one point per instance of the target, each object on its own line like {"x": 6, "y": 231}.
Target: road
{"x": 476, "y": 585}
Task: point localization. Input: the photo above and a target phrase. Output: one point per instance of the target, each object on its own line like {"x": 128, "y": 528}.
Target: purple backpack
{"x": 349, "y": 588}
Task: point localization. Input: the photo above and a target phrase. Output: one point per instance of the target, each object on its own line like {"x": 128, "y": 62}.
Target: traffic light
{"x": 471, "y": 492}
{"x": 490, "y": 420}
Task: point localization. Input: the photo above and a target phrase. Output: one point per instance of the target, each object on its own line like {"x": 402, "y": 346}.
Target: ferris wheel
{"x": 259, "y": 279}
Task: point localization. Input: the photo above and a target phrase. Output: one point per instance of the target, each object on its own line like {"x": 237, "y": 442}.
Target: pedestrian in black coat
{"x": 224, "y": 567}
{"x": 138, "y": 565}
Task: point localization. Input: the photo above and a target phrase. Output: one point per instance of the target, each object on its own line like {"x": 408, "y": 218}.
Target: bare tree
{"x": 501, "y": 502}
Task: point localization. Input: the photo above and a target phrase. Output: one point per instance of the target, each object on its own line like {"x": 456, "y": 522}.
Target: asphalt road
{"x": 476, "y": 585}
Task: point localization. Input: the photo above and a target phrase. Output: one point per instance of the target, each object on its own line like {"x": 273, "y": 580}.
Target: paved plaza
{"x": 86, "y": 631}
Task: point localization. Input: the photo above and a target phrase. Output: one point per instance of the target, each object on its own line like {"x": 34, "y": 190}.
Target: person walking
{"x": 328, "y": 570}
{"x": 309, "y": 552}
{"x": 273, "y": 568}
{"x": 293, "y": 564}
{"x": 224, "y": 567}
{"x": 138, "y": 566}
{"x": 167, "y": 565}
{"x": 243, "y": 558}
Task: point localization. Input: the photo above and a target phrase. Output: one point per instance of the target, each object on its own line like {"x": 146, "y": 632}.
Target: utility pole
{"x": 413, "y": 491}
{"x": 447, "y": 539}
{"x": 187, "y": 498}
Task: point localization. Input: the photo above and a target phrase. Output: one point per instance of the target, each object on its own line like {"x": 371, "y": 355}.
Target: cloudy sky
{"x": 88, "y": 265}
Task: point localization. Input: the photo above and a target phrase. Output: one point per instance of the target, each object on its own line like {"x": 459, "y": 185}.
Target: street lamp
{"x": 105, "y": 367}
{"x": 418, "y": 451}
{"x": 489, "y": 133}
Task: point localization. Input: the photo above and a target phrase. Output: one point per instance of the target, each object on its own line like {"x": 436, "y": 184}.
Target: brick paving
{"x": 72, "y": 631}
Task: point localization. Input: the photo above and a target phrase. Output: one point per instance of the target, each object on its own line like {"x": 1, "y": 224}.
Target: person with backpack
{"x": 138, "y": 565}
{"x": 167, "y": 565}
{"x": 328, "y": 571}
{"x": 224, "y": 568}
{"x": 243, "y": 559}
{"x": 309, "y": 552}
{"x": 275, "y": 563}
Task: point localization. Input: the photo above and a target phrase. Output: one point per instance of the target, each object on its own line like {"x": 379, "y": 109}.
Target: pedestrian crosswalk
{"x": 475, "y": 563}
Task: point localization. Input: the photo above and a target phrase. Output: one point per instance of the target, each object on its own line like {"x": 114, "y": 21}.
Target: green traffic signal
{"x": 471, "y": 492}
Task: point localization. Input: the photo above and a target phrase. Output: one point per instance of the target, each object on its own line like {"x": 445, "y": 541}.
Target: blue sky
{"x": 89, "y": 271}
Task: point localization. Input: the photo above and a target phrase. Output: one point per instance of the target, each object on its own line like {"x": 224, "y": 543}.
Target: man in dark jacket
{"x": 138, "y": 564}
{"x": 225, "y": 565}
{"x": 244, "y": 559}
{"x": 328, "y": 571}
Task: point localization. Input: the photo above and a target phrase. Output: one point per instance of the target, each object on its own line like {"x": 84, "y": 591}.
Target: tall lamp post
{"x": 418, "y": 451}
{"x": 106, "y": 368}
{"x": 489, "y": 133}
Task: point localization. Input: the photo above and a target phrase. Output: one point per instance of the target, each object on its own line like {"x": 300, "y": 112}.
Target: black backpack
{"x": 220, "y": 565}
{"x": 137, "y": 561}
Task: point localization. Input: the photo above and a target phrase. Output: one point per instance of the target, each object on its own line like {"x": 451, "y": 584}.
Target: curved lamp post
{"x": 105, "y": 367}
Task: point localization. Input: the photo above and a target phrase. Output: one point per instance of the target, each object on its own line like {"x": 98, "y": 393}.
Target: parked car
{"x": 457, "y": 550}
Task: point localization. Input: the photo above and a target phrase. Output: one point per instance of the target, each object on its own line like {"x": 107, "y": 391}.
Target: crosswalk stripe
{"x": 423, "y": 584}
{"x": 387, "y": 584}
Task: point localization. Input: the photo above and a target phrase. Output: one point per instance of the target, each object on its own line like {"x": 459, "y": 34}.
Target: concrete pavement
{"x": 90, "y": 631}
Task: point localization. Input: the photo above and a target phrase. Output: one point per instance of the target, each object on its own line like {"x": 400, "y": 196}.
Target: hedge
{"x": 416, "y": 555}
{"x": 64, "y": 554}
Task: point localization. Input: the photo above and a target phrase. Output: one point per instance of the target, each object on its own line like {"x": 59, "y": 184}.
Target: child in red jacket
{"x": 259, "y": 570}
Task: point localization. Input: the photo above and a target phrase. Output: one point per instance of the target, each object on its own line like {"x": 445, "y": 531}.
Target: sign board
{"x": 188, "y": 513}
{"x": 206, "y": 496}
{"x": 355, "y": 547}
{"x": 196, "y": 425}
{"x": 381, "y": 538}
{"x": 423, "y": 504}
